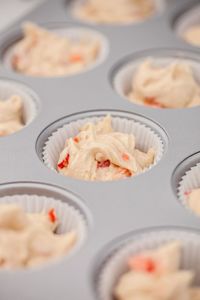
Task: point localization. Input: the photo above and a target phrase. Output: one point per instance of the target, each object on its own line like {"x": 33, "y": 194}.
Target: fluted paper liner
{"x": 116, "y": 263}
{"x": 69, "y": 217}
{"x": 28, "y": 97}
{"x": 145, "y": 138}
{"x": 74, "y": 33}
{"x": 188, "y": 182}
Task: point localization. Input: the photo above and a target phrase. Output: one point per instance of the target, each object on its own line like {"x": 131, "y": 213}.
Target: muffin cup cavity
{"x": 78, "y": 4}
{"x": 114, "y": 264}
{"x": 74, "y": 33}
{"x": 189, "y": 181}
{"x": 40, "y": 198}
{"x": 70, "y": 218}
{"x": 123, "y": 73}
{"x": 29, "y": 99}
{"x": 146, "y": 137}
{"x": 187, "y": 20}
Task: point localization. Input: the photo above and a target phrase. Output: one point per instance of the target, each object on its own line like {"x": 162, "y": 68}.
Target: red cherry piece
{"x": 103, "y": 164}
{"x": 151, "y": 101}
{"x": 142, "y": 264}
{"x": 125, "y": 156}
{"x": 187, "y": 193}
{"x": 64, "y": 162}
{"x": 52, "y": 215}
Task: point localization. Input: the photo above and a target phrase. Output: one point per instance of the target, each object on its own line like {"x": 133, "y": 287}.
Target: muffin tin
{"x": 111, "y": 209}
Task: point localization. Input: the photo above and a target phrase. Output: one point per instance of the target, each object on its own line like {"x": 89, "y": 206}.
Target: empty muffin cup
{"x": 19, "y": 106}
{"x": 145, "y": 136}
{"x": 89, "y": 48}
{"x": 187, "y": 26}
{"x": 69, "y": 218}
{"x": 188, "y": 192}
{"x": 159, "y": 78}
{"x": 114, "y": 265}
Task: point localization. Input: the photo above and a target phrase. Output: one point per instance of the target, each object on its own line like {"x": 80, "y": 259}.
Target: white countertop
{"x": 11, "y": 10}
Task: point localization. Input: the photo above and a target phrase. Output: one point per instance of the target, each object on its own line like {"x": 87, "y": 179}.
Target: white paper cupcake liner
{"x": 190, "y": 181}
{"x": 29, "y": 98}
{"x": 187, "y": 20}
{"x": 116, "y": 263}
{"x": 123, "y": 78}
{"x": 159, "y": 7}
{"x": 69, "y": 217}
{"x": 74, "y": 33}
{"x": 145, "y": 138}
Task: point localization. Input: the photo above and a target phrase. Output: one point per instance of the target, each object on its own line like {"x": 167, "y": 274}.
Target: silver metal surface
{"x": 12, "y": 10}
{"x": 116, "y": 208}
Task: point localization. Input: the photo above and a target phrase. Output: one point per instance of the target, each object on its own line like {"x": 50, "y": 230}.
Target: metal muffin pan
{"x": 113, "y": 208}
